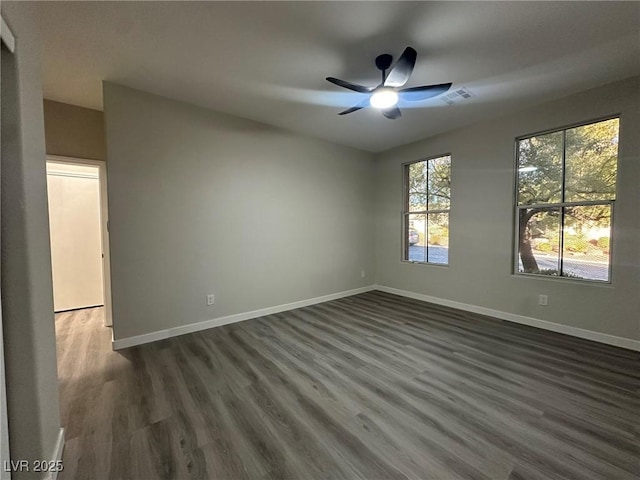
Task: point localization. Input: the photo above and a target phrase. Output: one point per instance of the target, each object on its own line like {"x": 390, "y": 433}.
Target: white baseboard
{"x": 121, "y": 343}
{"x": 512, "y": 317}
{"x": 622, "y": 342}
{"x": 57, "y": 455}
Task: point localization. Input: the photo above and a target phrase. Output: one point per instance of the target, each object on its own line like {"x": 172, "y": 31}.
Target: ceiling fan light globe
{"x": 384, "y": 98}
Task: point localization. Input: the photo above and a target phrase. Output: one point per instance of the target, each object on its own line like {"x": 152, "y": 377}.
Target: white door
{"x": 76, "y": 244}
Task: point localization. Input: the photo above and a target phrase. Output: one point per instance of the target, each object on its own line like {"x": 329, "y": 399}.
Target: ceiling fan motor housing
{"x": 383, "y": 62}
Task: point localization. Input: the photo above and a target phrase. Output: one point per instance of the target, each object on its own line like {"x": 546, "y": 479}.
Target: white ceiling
{"x": 267, "y": 60}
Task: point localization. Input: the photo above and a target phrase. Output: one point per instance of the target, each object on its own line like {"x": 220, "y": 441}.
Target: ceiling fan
{"x": 386, "y": 95}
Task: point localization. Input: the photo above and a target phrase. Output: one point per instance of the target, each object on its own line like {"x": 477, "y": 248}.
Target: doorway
{"x": 78, "y": 222}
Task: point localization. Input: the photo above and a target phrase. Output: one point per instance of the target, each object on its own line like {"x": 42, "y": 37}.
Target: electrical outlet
{"x": 362, "y": 273}
{"x": 210, "y": 299}
{"x": 543, "y": 300}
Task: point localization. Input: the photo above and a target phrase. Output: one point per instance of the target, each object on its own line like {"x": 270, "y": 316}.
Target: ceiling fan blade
{"x": 401, "y": 71}
{"x": 392, "y": 113}
{"x": 349, "y": 85}
{"x": 414, "y": 94}
{"x": 361, "y": 105}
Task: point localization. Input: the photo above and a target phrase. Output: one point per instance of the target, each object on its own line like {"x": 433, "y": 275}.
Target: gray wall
{"x": 27, "y": 300}
{"x": 202, "y": 202}
{"x": 73, "y": 131}
{"x": 481, "y": 228}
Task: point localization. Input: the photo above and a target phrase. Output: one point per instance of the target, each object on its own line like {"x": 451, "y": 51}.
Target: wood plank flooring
{"x": 373, "y": 386}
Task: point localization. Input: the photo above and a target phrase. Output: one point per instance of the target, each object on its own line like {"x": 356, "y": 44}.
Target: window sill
{"x": 574, "y": 281}
{"x": 410, "y": 262}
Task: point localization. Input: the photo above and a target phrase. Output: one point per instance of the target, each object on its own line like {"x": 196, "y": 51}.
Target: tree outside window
{"x": 566, "y": 188}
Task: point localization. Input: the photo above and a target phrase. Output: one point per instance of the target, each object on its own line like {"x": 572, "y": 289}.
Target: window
{"x": 426, "y": 210}
{"x": 566, "y": 188}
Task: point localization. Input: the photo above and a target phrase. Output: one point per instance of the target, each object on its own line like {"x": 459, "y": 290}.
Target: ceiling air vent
{"x": 456, "y": 96}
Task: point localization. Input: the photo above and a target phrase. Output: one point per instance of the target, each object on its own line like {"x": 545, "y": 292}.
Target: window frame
{"x": 406, "y": 211}
{"x": 562, "y": 205}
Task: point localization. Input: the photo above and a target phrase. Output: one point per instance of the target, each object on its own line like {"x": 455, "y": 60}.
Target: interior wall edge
{"x": 56, "y": 459}
{"x": 27, "y": 300}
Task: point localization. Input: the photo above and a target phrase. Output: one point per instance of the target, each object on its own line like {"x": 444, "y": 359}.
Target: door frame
{"x": 104, "y": 226}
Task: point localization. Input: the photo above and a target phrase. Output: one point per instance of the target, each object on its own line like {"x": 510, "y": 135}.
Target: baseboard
{"x": 57, "y": 455}
{"x": 512, "y": 317}
{"x": 121, "y": 343}
{"x": 622, "y": 342}
{"x": 78, "y": 308}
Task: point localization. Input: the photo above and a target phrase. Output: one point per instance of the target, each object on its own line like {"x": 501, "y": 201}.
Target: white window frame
{"x": 406, "y": 212}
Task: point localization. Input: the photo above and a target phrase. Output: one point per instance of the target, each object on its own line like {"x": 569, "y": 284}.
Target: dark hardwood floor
{"x": 373, "y": 386}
